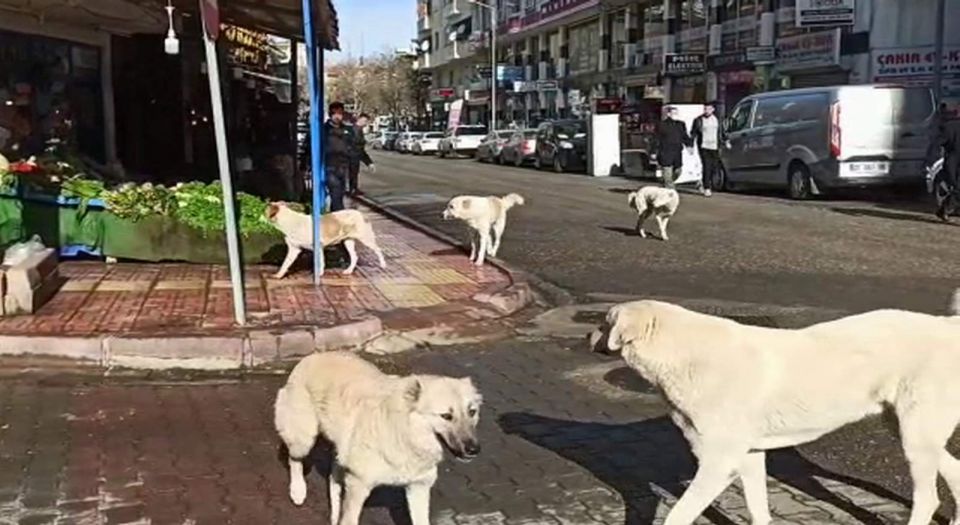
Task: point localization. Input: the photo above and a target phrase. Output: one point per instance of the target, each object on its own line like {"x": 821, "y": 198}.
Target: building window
{"x": 617, "y": 29}
{"x": 652, "y": 30}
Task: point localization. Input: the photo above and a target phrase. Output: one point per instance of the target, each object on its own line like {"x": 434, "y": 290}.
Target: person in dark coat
{"x": 360, "y": 150}
{"x": 672, "y": 137}
{"x": 339, "y": 151}
{"x": 950, "y": 142}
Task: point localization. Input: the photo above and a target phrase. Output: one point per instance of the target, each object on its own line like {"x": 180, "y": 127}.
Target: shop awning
{"x": 278, "y": 17}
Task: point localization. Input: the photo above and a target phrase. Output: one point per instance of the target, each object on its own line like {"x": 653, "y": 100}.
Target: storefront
{"x": 811, "y": 60}
{"x": 913, "y": 66}
{"x": 735, "y": 78}
{"x": 51, "y": 88}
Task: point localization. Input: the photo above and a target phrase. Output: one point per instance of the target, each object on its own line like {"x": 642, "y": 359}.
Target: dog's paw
{"x": 298, "y": 492}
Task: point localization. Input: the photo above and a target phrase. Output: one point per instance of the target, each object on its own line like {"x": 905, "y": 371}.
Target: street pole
{"x": 493, "y": 64}
{"x": 938, "y": 53}
{"x": 317, "y": 166}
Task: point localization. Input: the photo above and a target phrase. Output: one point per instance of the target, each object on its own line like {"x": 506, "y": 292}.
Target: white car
{"x": 461, "y": 140}
{"x": 428, "y": 144}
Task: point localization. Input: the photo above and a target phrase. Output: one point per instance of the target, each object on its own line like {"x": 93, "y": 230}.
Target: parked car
{"x": 489, "y": 148}
{"x": 520, "y": 148}
{"x": 390, "y": 140}
{"x": 412, "y": 139}
{"x": 428, "y": 144}
{"x": 562, "y": 144}
{"x": 809, "y": 141}
{"x": 461, "y": 140}
{"x": 401, "y": 145}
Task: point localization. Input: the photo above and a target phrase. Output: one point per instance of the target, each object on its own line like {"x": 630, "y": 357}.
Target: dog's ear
{"x": 272, "y": 209}
{"x": 632, "y": 324}
{"x": 412, "y": 390}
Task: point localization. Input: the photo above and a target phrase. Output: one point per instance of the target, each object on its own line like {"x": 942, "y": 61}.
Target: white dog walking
{"x": 486, "y": 217}
{"x": 346, "y": 226}
{"x": 662, "y": 203}
{"x": 386, "y": 430}
{"x": 736, "y": 391}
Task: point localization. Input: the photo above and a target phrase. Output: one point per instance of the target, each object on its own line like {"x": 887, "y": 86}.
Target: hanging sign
{"x": 246, "y": 48}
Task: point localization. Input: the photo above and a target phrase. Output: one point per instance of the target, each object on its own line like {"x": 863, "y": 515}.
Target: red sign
{"x": 210, "y": 12}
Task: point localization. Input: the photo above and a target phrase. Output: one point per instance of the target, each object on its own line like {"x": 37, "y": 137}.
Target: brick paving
{"x": 568, "y": 438}
{"x": 132, "y": 299}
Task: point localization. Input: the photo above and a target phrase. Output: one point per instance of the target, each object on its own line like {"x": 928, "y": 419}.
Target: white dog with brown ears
{"x": 486, "y": 217}
{"x": 385, "y": 429}
{"x": 662, "y": 203}
{"x": 346, "y": 226}
{"x": 737, "y": 391}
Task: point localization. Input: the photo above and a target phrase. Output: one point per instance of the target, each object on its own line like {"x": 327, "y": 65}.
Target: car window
{"x": 768, "y": 112}
{"x": 572, "y": 129}
{"x": 740, "y": 118}
{"x": 791, "y": 109}
{"x": 471, "y": 131}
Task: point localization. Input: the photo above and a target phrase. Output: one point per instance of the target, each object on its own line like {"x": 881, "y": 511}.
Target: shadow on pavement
{"x": 316, "y": 469}
{"x": 629, "y": 232}
{"x": 632, "y": 458}
{"x": 929, "y": 218}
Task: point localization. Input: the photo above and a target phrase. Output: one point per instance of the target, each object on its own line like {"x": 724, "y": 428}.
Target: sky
{"x": 368, "y": 27}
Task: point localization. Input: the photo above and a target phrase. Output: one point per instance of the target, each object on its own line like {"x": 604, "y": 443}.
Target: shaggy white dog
{"x": 736, "y": 391}
{"x": 662, "y": 203}
{"x": 386, "y": 430}
{"x": 484, "y": 216}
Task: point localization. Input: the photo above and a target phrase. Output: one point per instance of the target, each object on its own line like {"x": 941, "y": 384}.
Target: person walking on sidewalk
{"x": 339, "y": 149}
{"x": 360, "y": 154}
{"x": 708, "y": 135}
{"x": 672, "y": 137}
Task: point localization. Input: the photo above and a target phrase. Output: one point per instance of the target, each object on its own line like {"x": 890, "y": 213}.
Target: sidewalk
{"x": 169, "y": 314}
{"x": 569, "y": 438}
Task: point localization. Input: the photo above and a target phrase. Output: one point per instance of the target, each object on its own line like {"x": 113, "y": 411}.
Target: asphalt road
{"x": 576, "y": 232}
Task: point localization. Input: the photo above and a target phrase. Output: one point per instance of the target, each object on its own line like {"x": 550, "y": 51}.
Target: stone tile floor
{"x": 132, "y": 299}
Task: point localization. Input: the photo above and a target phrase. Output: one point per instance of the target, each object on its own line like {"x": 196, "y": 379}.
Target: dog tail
{"x": 511, "y": 200}
{"x": 955, "y": 303}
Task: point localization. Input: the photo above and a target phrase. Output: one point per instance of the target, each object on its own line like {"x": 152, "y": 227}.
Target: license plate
{"x": 869, "y": 167}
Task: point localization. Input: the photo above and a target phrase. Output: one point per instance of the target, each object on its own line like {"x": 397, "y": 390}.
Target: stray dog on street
{"x": 737, "y": 391}
{"x": 346, "y": 226}
{"x": 484, "y": 216}
{"x": 385, "y": 430}
{"x": 662, "y": 203}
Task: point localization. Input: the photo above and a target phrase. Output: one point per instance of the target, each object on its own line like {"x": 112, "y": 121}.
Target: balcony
{"x": 423, "y": 24}
{"x": 453, "y": 10}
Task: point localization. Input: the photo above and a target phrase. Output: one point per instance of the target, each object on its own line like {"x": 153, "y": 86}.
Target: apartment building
{"x": 564, "y": 54}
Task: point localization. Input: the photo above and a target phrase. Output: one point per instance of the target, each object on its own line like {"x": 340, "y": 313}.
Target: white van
{"x": 809, "y": 141}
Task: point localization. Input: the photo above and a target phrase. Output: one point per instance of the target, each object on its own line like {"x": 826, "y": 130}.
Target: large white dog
{"x": 386, "y": 430}
{"x": 736, "y": 391}
{"x": 662, "y": 203}
{"x": 484, "y": 216}
{"x": 346, "y": 226}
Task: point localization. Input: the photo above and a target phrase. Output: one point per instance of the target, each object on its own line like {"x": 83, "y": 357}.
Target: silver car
{"x": 812, "y": 140}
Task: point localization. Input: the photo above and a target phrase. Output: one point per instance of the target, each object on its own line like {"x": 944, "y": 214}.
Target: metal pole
{"x": 493, "y": 64}
{"x": 223, "y": 160}
{"x": 938, "y": 53}
{"x": 317, "y": 166}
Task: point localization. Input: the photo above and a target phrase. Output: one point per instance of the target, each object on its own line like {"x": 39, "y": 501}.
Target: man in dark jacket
{"x": 339, "y": 150}
{"x": 708, "y": 135}
{"x": 360, "y": 148}
{"x": 672, "y": 137}
{"x": 950, "y": 142}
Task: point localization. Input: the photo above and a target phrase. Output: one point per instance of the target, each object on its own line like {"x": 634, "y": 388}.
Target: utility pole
{"x": 938, "y": 53}
{"x": 492, "y": 7}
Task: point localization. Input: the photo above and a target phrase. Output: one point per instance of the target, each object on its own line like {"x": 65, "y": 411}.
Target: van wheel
{"x": 722, "y": 181}
{"x": 798, "y": 182}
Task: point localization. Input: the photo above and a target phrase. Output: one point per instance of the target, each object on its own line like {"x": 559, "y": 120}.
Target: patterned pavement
{"x": 569, "y": 438}
{"x": 133, "y": 299}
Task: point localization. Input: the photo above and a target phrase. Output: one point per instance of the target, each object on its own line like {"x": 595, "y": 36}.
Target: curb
{"x": 215, "y": 352}
{"x": 533, "y": 284}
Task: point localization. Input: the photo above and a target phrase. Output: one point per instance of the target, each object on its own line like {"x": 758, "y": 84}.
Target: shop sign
{"x": 547, "y": 85}
{"x": 808, "y": 51}
{"x": 761, "y": 55}
{"x": 246, "y": 48}
{"x": 905, "y": 63}
{"x": 679, "y": 64}
{"x": 510, "y": 73}
{"x": 642, "y": 79}
{"x": 813, "y": 13}
{"x": 444, "y": 93}
{"x": 654, "y": 92}
{"x": 606, "y": 106}
{"x": 453, "y": 118}
{"x": 549, "y": 11}
{"x": 524, "y": 86}
{"x": 734, "y": 59}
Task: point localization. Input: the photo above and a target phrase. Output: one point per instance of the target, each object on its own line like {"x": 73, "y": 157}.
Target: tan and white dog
{"x": 385, "y": 429}
{"x": 662, "y": 203}
{"x": 737, "y": 391}
{"x": 486, "y": 217}
{"x": 346, "y": 226}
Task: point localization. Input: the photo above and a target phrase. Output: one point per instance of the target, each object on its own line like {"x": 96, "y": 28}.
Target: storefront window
{"x": 49, "y": 89}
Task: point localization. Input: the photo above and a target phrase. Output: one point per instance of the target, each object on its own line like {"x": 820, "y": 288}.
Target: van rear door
{"x": 883, "y": 130}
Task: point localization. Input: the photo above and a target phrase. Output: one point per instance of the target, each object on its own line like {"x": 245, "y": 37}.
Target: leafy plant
{"x": 201, "y": 206}
{"x": 135, "y": 202}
